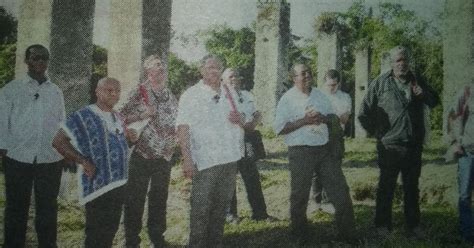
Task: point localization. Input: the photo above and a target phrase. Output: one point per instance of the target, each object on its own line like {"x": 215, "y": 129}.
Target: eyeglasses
{"x": 40, "y": 57}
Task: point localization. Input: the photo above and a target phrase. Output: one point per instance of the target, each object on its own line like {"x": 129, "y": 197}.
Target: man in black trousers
{"x": 31, "y": 110}
{"x": 393, "y": 111}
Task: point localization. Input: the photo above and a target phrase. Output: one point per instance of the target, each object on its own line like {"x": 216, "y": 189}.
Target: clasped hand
{"x": 314, "y": 118}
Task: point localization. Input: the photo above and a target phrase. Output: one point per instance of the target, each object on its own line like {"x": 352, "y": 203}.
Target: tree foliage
{"x": 383, "y": 28}
{"x": 236, "y": 47}
{"x": 99, "y": 61}
{"x": 8, "y": 26}
{"x": 180, "y": 74}
{"x": 7, "y": 63}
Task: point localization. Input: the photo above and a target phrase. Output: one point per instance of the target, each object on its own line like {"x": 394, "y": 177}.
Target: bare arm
{"x": 62, "y": 143}
{"x": 344, "y": 118}
{"x": 185, "y": 144}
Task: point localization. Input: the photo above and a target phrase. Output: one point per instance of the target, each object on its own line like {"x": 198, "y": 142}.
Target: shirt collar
{"x": 35, "y": 82}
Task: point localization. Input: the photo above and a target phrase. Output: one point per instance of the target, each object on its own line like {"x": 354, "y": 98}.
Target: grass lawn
{"x": 438, "y": 192}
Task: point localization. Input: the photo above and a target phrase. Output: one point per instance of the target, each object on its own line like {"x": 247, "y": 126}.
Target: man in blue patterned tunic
{"x": 96, "y": 137}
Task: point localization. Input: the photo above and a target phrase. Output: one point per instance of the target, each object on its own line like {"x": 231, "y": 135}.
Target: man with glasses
{"x": 210, "y": 134}
{"x": 31, "y": 110}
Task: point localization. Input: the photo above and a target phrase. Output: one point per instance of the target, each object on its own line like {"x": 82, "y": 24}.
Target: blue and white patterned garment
{"x": 104, "y": 144}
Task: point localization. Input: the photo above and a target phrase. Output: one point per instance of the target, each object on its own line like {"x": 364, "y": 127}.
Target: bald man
{"x": 96, "y": 138}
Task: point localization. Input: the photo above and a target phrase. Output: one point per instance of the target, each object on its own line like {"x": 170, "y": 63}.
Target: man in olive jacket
{"x": 393, "y": 112}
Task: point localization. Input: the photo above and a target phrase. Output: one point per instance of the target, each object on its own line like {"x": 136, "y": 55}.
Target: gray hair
{"x": 399, "y": 50}
{"x": 228, "y": 70}
{"x": 105, "y": 80}
{"x": 148, "y": 63}
{"x": 203, "y": 61}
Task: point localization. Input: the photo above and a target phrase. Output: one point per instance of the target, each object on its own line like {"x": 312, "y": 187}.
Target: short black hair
{"x": 34, "y": 46}
{"x": 333, "y": 74}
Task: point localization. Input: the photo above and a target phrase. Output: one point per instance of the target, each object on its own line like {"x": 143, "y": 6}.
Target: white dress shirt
{"x": 214, "y": 139}
{"x": 340, "y": 101}
{"x": 248, "y": 105}
{"x": 30, "y": 114}
{"x": 292, "y": 107}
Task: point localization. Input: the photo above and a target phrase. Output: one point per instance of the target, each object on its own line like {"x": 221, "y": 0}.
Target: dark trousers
{"x": 407, "y": 161}
{"x": 319, "y": 194}
{"x": 303, "y": 162}
{"x": 248, "y": 170}
{"x": 210, "y": 197}
{"x": 465, "y": 183}
{"x": 20, "y": 178}
{"x": 144, "y": 172}
{"x": 103, "y": 218}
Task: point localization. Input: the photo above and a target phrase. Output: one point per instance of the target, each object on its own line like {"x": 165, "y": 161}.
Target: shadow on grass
{"x": 277, "y": 234}
{"x": 439, "y": 223}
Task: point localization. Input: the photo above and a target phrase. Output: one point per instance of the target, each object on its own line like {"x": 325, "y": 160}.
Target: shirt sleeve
{"x": 367, "y": 113}
{"x": 185, "y": 111}
{"x": 281, "y": 115}
{"x": 347, "y": 101}
{"x": 132, "y": 105}
{"x": 62, "y": 108}
{"x": 248, "y": 106}
{"x": 67, "y": 126}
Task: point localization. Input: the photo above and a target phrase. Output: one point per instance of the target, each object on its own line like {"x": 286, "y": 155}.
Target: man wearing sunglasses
{"x": 30, "y": 112}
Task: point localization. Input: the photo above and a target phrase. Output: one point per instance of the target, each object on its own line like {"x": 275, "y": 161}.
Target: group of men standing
{"x": 209, "y": 124}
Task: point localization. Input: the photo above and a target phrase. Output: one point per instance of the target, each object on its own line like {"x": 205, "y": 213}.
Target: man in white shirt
{"x": 210, "y": 135}
{"x": 30, "y": 112}
{"x": 301, "y": 116}
{"x": 341, "y": 104}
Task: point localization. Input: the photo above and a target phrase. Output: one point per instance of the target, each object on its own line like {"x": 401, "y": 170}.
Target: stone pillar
{"x": 71, "y": 50}
{"x": 329, "y": 54}
{"x": 34, "y": 27}
{"x": 385, "y": 62}
{"x": 458, "y": 49}
{"x": 125, "y": 43}
{"x": 362, "y": 72}
{"x": 65, "y": 28}
{"x": 156, "y": 29}
{"x": 139, "y": 28}
{"x": 271, "y": 56}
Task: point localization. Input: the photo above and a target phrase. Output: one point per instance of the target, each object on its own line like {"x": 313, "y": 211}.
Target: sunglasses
{"x": 40, "y": 57}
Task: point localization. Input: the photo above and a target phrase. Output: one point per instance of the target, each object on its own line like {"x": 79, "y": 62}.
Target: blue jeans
{"x": 465, "y": 179}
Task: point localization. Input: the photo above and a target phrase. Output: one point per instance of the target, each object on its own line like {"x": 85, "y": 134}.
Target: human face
{"x": 37, "y": 62}
{"x": 156, "y": 72}
{"x": 331, "y": 85}
{"x": 400, "y": 65}
{"x": 108, "y": 94}
{"x": 233, "y": 79}
{"x": 302, "y": 78}
{"x": 211, "y": 72}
